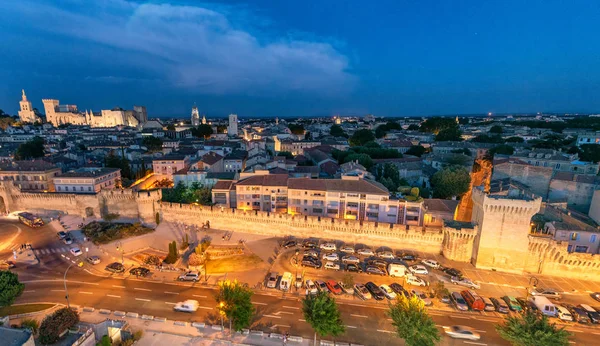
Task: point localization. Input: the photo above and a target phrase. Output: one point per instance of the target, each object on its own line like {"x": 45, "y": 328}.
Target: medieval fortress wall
{"x": 500, "y": 240}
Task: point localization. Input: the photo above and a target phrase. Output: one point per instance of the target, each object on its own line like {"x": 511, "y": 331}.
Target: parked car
{"x": 579, "y": 314}
{"x": 353, "y": 268}
{"x": 328, "y": 247}
{"x": 312, "y": 253}
{"x": 330, "y": 257}
{"x": 334, "y": 287}
{"x": 376, "y": 292}
{"x": 362, "y": 292}
{"x": 415, "y": 281}
{"x": 593, "y": 314}
{"x": 595, "y": 296}
{"x": 431, "y": 263}
{"x": 462, "y": 281}
{"x": 563, "y": 313}
{"x": 61, "y": 235}
{"x": 299, "y": 279}
{"x": 422, "y": 296}
{"x": 365, "y": 251}
{"x": 272, "y": 280}
{"x": 526, "y": 304}
{"x": 186, "y": 306}
{"x": 375, "y": 270}
{"x": 139, "y": 271}
{"x": 347, "y": 249}
{"x": 461, "y": 332}
{"x": 453, "y": 272}
{"x": 309, "y": 244}
{"x": 190, "y": 276}
{"x": 512, "y": 303}
{"x": 311, "y": 262}
{"x": 386, "y": 254}
{"x": 418, "y": 269}
{"x": 311, "y": 288}
{"x": 115, "y": 267}
{"x": 378, "y": 263}
{"x": 322, "y": 286}
{"x": 489, "y": 306}
{"x": 399, "y": 289}
{"x": 459, "y": 301}
{"x": 75, "y": 251}
{"x": 93, "y": 259}
{"x": 346, "y": 289}
{"x": 290, "y": 243}
{"x": 500, "y": 305}
{"x": 332, "y": 266}
{"x": 388, "y": 292}
{"x": 68, "y": 240}
{"x": 546, "y": 292}
{"x": 408, "y": 257}
{"x": 350, "y": 259}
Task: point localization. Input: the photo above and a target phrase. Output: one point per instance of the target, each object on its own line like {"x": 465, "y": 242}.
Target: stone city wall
{"x": 550, "y": 257}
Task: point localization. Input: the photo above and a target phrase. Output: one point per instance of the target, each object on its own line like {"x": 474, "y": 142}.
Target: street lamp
{"x": 120, "y": 247}
{"x": 65, "y": 282}
{"x": 296, "y": 278}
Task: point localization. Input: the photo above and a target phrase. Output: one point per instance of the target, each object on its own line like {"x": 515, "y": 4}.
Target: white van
{"x": 544, "y": 305}
{"x": 398, "y": 270}
{"x": 286, "y": 281}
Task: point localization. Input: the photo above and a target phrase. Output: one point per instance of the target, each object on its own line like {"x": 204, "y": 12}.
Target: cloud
{"x": 212, "y": 50}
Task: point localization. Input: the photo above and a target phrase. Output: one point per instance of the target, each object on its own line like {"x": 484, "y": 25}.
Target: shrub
{"x": 55, "y": 324}
{"x": 152, "y": 260}
{"x": 157, "y": 218}
{"x": 173, "y": 255}
{"x": 195, "y": 260}
{"x": 30, "y": 323}
{"x": 106, "y": 232}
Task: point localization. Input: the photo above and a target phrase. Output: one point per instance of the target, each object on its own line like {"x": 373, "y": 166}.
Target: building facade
{"x": 26, "y": 113}
{"x": 232, "y": 128}
{"x": 31, "y": 176}
{"x": 195, "y": 116}
{"x": 168, "y": 165}
{"x": 88, "y": 180}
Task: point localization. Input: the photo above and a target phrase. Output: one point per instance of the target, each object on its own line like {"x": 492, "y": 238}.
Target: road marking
{"x": 118, "y": 286}
{"x": 301, "y": 320}
{"x": 576, "y": 331}
{"x": 487, "y": 320}
{"x": 57, "y": 290}
{"x": 284, "y": 312}
{"x": 110, "y": 295}
{"x": 29, "y": 291}
{"x": 385, "y": 331}
{"x": 170, "y": 303}
{"x": 571, "y": 342}
{"x": 143, "y": 300}
{"x": 475, "y": 343}
{"x": 353, "y": 327}
{"x": 361, "y": 316}
{"x": 205, "y": 307}
{"x": 291, "y": 307}
{"x": 82, "y": 292}
{"x": 463, "y": 317}
{"x": 280, "y": 325}
{"x": 480, "y": 331}
{"x": 167, "y": 292}
{"x": 195, "y": 295}
{"x": 272, "y": 316}
{"x": 142, "y": 289}
{"x": 596, "y": 333}
{"x": 257, "y": 303}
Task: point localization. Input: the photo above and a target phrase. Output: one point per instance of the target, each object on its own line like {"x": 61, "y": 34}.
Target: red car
{"x": 334, "y": 287}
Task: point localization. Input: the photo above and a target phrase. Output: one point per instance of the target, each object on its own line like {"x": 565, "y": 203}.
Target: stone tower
{"x": 203, "y": 119}
{"x": 504, "y": 222}
{"x": 232, "y": 129}
{"x": 26, "y": 113}
{"x": 195, "y": 116}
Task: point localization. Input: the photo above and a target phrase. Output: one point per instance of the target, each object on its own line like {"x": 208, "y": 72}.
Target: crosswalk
{"x": 51, "y": 251}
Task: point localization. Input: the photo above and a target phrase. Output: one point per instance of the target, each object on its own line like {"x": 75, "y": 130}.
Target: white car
{"x": 332, "y": 265}
{"x": 464, "y": 282}
{"x": 415, "y": 281}
{"x": 418, "y": 269}
{"x": 431, "y": 263}
{"x": 365, "y": 251}
{"x": 563, "y": 314}
{"x": 386, "y": 255}
{"x": 388, "y": 292}
{"x": 311, "y": 288}
{"x": 328, "y": 247}
{"x": 75, "y": 251}
{"x": 347, "y": 249}
{"x": 462, "y": 332}
{"x": 186, "y": 306}
{"x": 331, "y": 257}
{"x": 350, "y": 259}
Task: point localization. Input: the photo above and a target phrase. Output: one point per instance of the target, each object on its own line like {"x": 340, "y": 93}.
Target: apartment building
{"x": 558, "y": 161}
{"x": 167, "y": 165}
{"x": 588, "y": 137}
{"x": 30, "y": 176}
{"x": 293, "y": 146}
{"x": 263, "y": 192}
{"x": 88, "y": 180}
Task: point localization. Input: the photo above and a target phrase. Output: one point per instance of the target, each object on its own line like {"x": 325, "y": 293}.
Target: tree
{"x": 531, "y": 329}
{"x": 31, "y": 149}
{"x": 497, "y": 129}
{"x": 451, "y": 134}
{"x": 105, "y": 341}
{"x": 173, "y": 254}
{"x": 30, "y": 324}
{"x": 416, "y": 150}
{"x": 412, "y": 322}
{"x": 114, "y": 161}
{"x": 502, "y": 149}
{"x": 438, "y": 124}
{"x": 110, "y": 217}
{"x": 363, "y": 159}
{"x": 381, "y": 130}
{"x": 322, "y": 313}
{"x": 157, "y": 218}
{"x": 153, "y": 144}
{"x": 514, "y": 139}
{"x": 361, "y": 137}
{"x": 337, "y": 131}
{"x": 451, "y": 181}
{"x": 348, "y": 280}
{"x": 56, "y": 323}
{"x": 171, "y": 127}
{"x": 413, "y": 127}
{"x": 202, "y": 131}
{"x": 589, "y": 152}
{"x": 286, "y": 154}
{"x": 297, "y": 129}
{"x": 235, "y": 302}
{"x": 10, "y": 287}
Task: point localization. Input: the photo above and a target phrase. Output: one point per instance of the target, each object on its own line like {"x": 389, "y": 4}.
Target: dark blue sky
{"x": 287, "y": 58}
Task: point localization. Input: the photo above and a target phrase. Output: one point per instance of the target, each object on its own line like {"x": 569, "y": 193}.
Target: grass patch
{"x": 234, "y": 263}
{"x": 104, "y": 232}
{"x": 23, "y": 309}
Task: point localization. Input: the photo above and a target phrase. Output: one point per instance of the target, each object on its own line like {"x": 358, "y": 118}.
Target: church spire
{"x": 24, "y": 97}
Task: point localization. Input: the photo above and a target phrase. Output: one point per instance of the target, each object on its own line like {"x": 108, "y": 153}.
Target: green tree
{"x": 171, "y": 127}
{"x": 450, "y": 181}
{"x": 10, "y": 287}
{"x": 381, "y": 130}
{"x": 173, "y": 254}
{"x": 361, "y": 137}
{"x": 121, "y": 162}
{"x": 589, "y": 152}
{"x": 297, "y": 129}
{"x": 337, "y": 131}
{"x": 416, "y": 150}
{"x": 56, "y": 323}
{"x": 497, "y": 129}
{"x": 502, "y": 149}
{"x": 451, "y": 134}
{"x": 105, "y": 341}
{"x": 157, "y": 218}
{"x": 412, "y": 322}
{"x": 30, "y": 324}
{"x": 31, "y": 149}
{"x": 514, "y": 139}
{"x": 437, "y": 124}
{"x": 363, "y": 159}
{"x": 322, "y": 313}
{"x": 413, "y": 127}
{"x": 531, "y": 329}
{"x": 153, "y": 144}
{"x": 202, "y": 131}
{"x": 235, "y": 302}
{"x": 286, "y": 154}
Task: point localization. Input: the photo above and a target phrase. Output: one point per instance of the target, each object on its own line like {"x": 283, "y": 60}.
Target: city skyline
{"x": 259, "y": 59}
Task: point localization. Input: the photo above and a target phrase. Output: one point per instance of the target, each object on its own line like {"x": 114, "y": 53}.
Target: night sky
{"x": 303, "y": 58}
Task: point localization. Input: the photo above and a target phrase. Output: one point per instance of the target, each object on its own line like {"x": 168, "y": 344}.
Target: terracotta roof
{"x": 224, "y": 185}
{"x": 266, "y": 180}
{"x": 329, "y": 168}
{"x": 441, "y": 205}
{"x": 339, "y": 185}
{"x": 33, "y": 165}
{"x": 211, "y": 158}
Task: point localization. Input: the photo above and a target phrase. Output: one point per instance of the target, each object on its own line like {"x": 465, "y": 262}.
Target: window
{"x": 89, "y": 188}
{"x": 593, "y": 238}
{"x": 59, "y": 188}
{"x": 81, "y": 188}
{"x": 581, "y": 248}
{"x": 574, "y": 236}
{"x": 66, "y": 188}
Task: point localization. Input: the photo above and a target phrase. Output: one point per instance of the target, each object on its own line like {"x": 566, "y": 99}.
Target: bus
{"x": 30, "y": 220}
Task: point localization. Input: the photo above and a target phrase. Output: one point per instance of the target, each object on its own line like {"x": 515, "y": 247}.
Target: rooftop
{"x": 14, "y": 337}
{"x": 265, "y": 180}
{"x": 339, "y": 185}
{"x": 33, "y": 166}
{"x": 89, "y": 172}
